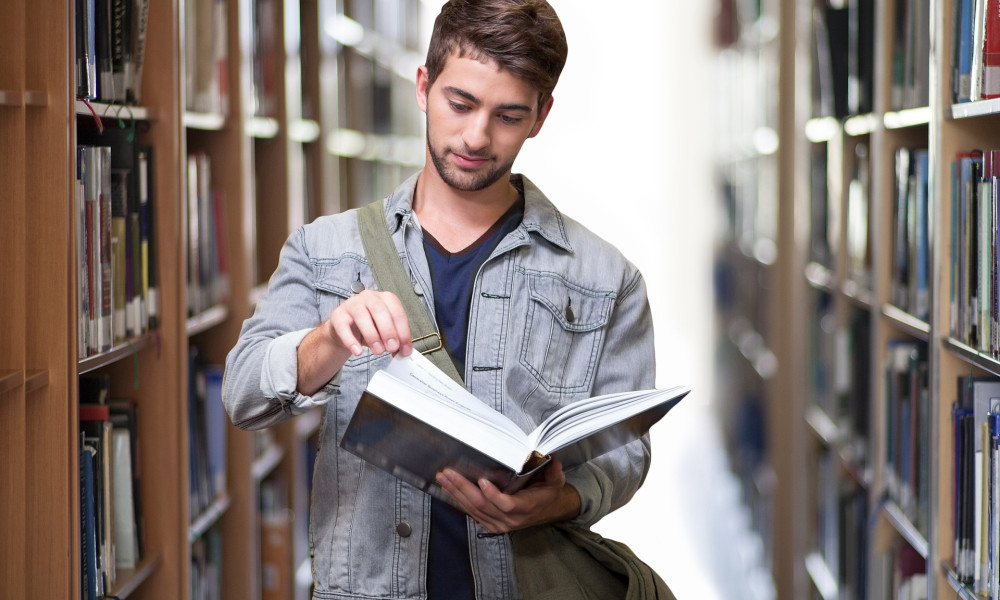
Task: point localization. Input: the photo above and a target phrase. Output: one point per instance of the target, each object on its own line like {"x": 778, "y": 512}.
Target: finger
{"x": 362, "y": 313}
{"x": 343, "y": 330}
{"x": 400, "y": 323}
{"x": 470, "y": 498}
{"x": 503, "y": 502}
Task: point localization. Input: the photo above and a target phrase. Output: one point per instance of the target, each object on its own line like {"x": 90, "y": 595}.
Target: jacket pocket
{"x": 564, "y": 329}
{"x": 336, "y": 280}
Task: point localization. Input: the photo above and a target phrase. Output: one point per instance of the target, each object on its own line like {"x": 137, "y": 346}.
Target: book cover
{"x": 413, "y": 421}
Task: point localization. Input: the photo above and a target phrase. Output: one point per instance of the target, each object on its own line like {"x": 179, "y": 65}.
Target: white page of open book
{"x": 578, "y": 420}
{"x": 415, "y": 385}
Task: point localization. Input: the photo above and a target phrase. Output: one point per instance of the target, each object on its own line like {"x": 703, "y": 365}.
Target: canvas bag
{"x": 552, "y": 562}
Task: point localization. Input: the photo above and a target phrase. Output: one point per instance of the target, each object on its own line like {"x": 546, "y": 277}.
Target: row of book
{"x": 116, "y": 247}
{"x": 843, "y": 57}
{"x": 110, "y": 49}
{"x": 207, "y": 269}
{"x": 841, "y": 522}
{"x": 205, "y": 582}
{"x": 911, "y": 259}
{"x": 907, "y": 429}
{"x": 207, "y": 428}
{"x": 911, "y": 51}
{"x": 976, "y": 484}
{"x": 206, "y": 63}
{"x": 112, "y": 529}
{"x": 975, "y": 50}
{"x": 975, "y": 303}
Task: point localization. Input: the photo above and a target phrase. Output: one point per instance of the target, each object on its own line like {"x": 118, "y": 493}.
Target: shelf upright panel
{"x": 13, "y": 298}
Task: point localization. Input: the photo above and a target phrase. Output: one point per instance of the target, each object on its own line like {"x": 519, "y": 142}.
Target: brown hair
{"x": 524, "y": 37}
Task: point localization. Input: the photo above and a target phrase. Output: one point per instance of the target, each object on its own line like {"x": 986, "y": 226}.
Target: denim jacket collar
{"x": 540, "y": 215}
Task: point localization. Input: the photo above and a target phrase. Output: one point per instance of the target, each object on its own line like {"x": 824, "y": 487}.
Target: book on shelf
{"x": 96, "y": 428}
{"x": 110, "y": 49}
{"x": 207, "y": 427}
{"x": 205, "y": 57}
{"x": 861, "y": 55}
{"x": 831, "y": 59}
{"x": 907, "y": 429}
{"x": 910, "y": 283}
{"x": 207, "y": 269}
{"x": 975, "y": 416}
{"x": 910, "y": 80}
{"x": 91, "y": 583}
{"x": 413, "y": 421}
{"x": 114, "y": 253}
{"x": 86, "y": 50}
{"x": 114, "y": 421}
{"x": 859, "y": 260}
{"x": 975, "y": 305}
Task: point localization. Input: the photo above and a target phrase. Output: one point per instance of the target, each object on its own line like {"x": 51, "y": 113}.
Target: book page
{"x": 580, "y": 419}
{"x": 419, "y": 373}
{"x": 416, "y": 389}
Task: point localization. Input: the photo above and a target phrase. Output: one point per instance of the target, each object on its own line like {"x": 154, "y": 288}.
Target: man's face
{"x": 478, "y": 116}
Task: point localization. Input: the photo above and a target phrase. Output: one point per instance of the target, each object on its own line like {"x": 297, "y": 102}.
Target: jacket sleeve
{"x": 262, "y": 369}
{"x": 626, "y": 363}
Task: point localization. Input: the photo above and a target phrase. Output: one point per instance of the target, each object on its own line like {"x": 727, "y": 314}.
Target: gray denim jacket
{"x": 557, "y": 314}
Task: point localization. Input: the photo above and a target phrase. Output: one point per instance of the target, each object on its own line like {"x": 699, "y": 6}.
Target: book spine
{"x": 991, "y": 50}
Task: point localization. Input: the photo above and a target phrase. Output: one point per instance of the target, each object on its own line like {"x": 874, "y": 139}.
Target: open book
{"x": 413, "y": 421}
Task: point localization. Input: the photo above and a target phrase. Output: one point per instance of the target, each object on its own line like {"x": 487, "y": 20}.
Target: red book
{"x": 991, "y": 51}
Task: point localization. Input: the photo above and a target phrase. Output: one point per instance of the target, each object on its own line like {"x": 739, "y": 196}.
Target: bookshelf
{"x": 872, "y": 135}
{"x": 273, "y": 165}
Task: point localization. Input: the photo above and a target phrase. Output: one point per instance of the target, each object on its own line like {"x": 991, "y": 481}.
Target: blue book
{"x": 91, "y": 578}
{"x": 962, "y": 74}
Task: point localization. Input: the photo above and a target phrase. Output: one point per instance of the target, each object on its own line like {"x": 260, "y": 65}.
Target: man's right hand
{"x": 370, "y": 318}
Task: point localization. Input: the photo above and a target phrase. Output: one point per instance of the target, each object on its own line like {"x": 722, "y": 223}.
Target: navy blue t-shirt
{"x": 449, "y": 574}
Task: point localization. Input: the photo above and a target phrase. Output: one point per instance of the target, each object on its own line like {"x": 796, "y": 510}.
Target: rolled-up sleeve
{"x": 262, "y": 369}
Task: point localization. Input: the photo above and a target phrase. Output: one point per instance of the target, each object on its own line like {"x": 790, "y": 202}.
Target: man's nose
{"x": 477, "y": 135}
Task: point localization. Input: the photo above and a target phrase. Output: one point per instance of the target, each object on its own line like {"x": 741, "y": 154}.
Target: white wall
{"x": 626, "y": 151}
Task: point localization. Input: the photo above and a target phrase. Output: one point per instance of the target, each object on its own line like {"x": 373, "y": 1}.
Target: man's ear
{"x": 422, "y": 88}
{"x": 542, "y": 114}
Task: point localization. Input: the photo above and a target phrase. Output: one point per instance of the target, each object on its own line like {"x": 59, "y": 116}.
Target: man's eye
{"x": 458, "y": 107}
{"x": 509, "y": 120}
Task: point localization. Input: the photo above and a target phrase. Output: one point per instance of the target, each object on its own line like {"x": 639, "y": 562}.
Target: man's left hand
{"x": 549, "y": 499}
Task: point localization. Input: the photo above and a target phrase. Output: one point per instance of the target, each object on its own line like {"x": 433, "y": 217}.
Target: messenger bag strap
{"x": 390, "y": 277}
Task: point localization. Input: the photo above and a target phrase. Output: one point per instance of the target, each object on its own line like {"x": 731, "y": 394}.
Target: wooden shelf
{"x": 822, "y": 579}
{"x": 905, "y": 528}
{"x": 963, "y": 592}
{"x": 209, "y": 517}
{"x": 10, "y": 381}
{"x": 263, "y": 128}
{"x": 859, "y": 125}
{"x": 106, "y": 111}
{"x": 206, "y": 320}
{"x": 128, "y": 581}
{"x": 821, "y": 277}
{"x": 35, "y": 381}
{"x": 970, "y": 355}
{"x": 204, "y": 121}
{"x": 912, "y": 117}
{"x": 117, "y": 353}
{"x": 267, "y": 462}
{"x": 981, "y": 108}
{"x": 907, "y": 322}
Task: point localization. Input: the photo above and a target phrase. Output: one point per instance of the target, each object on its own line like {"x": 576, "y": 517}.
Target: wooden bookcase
{"x": 860, "y": 507}
{"x": 315, "y": 151}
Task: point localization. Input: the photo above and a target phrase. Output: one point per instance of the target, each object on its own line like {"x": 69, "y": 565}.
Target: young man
{"x": 536, "y": 310}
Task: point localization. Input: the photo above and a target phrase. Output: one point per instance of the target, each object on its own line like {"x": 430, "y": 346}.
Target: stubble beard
{"x": 460, "y": 179}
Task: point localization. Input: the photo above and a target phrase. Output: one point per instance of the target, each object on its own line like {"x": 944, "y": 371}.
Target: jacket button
{"x": 403, "y": 529}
